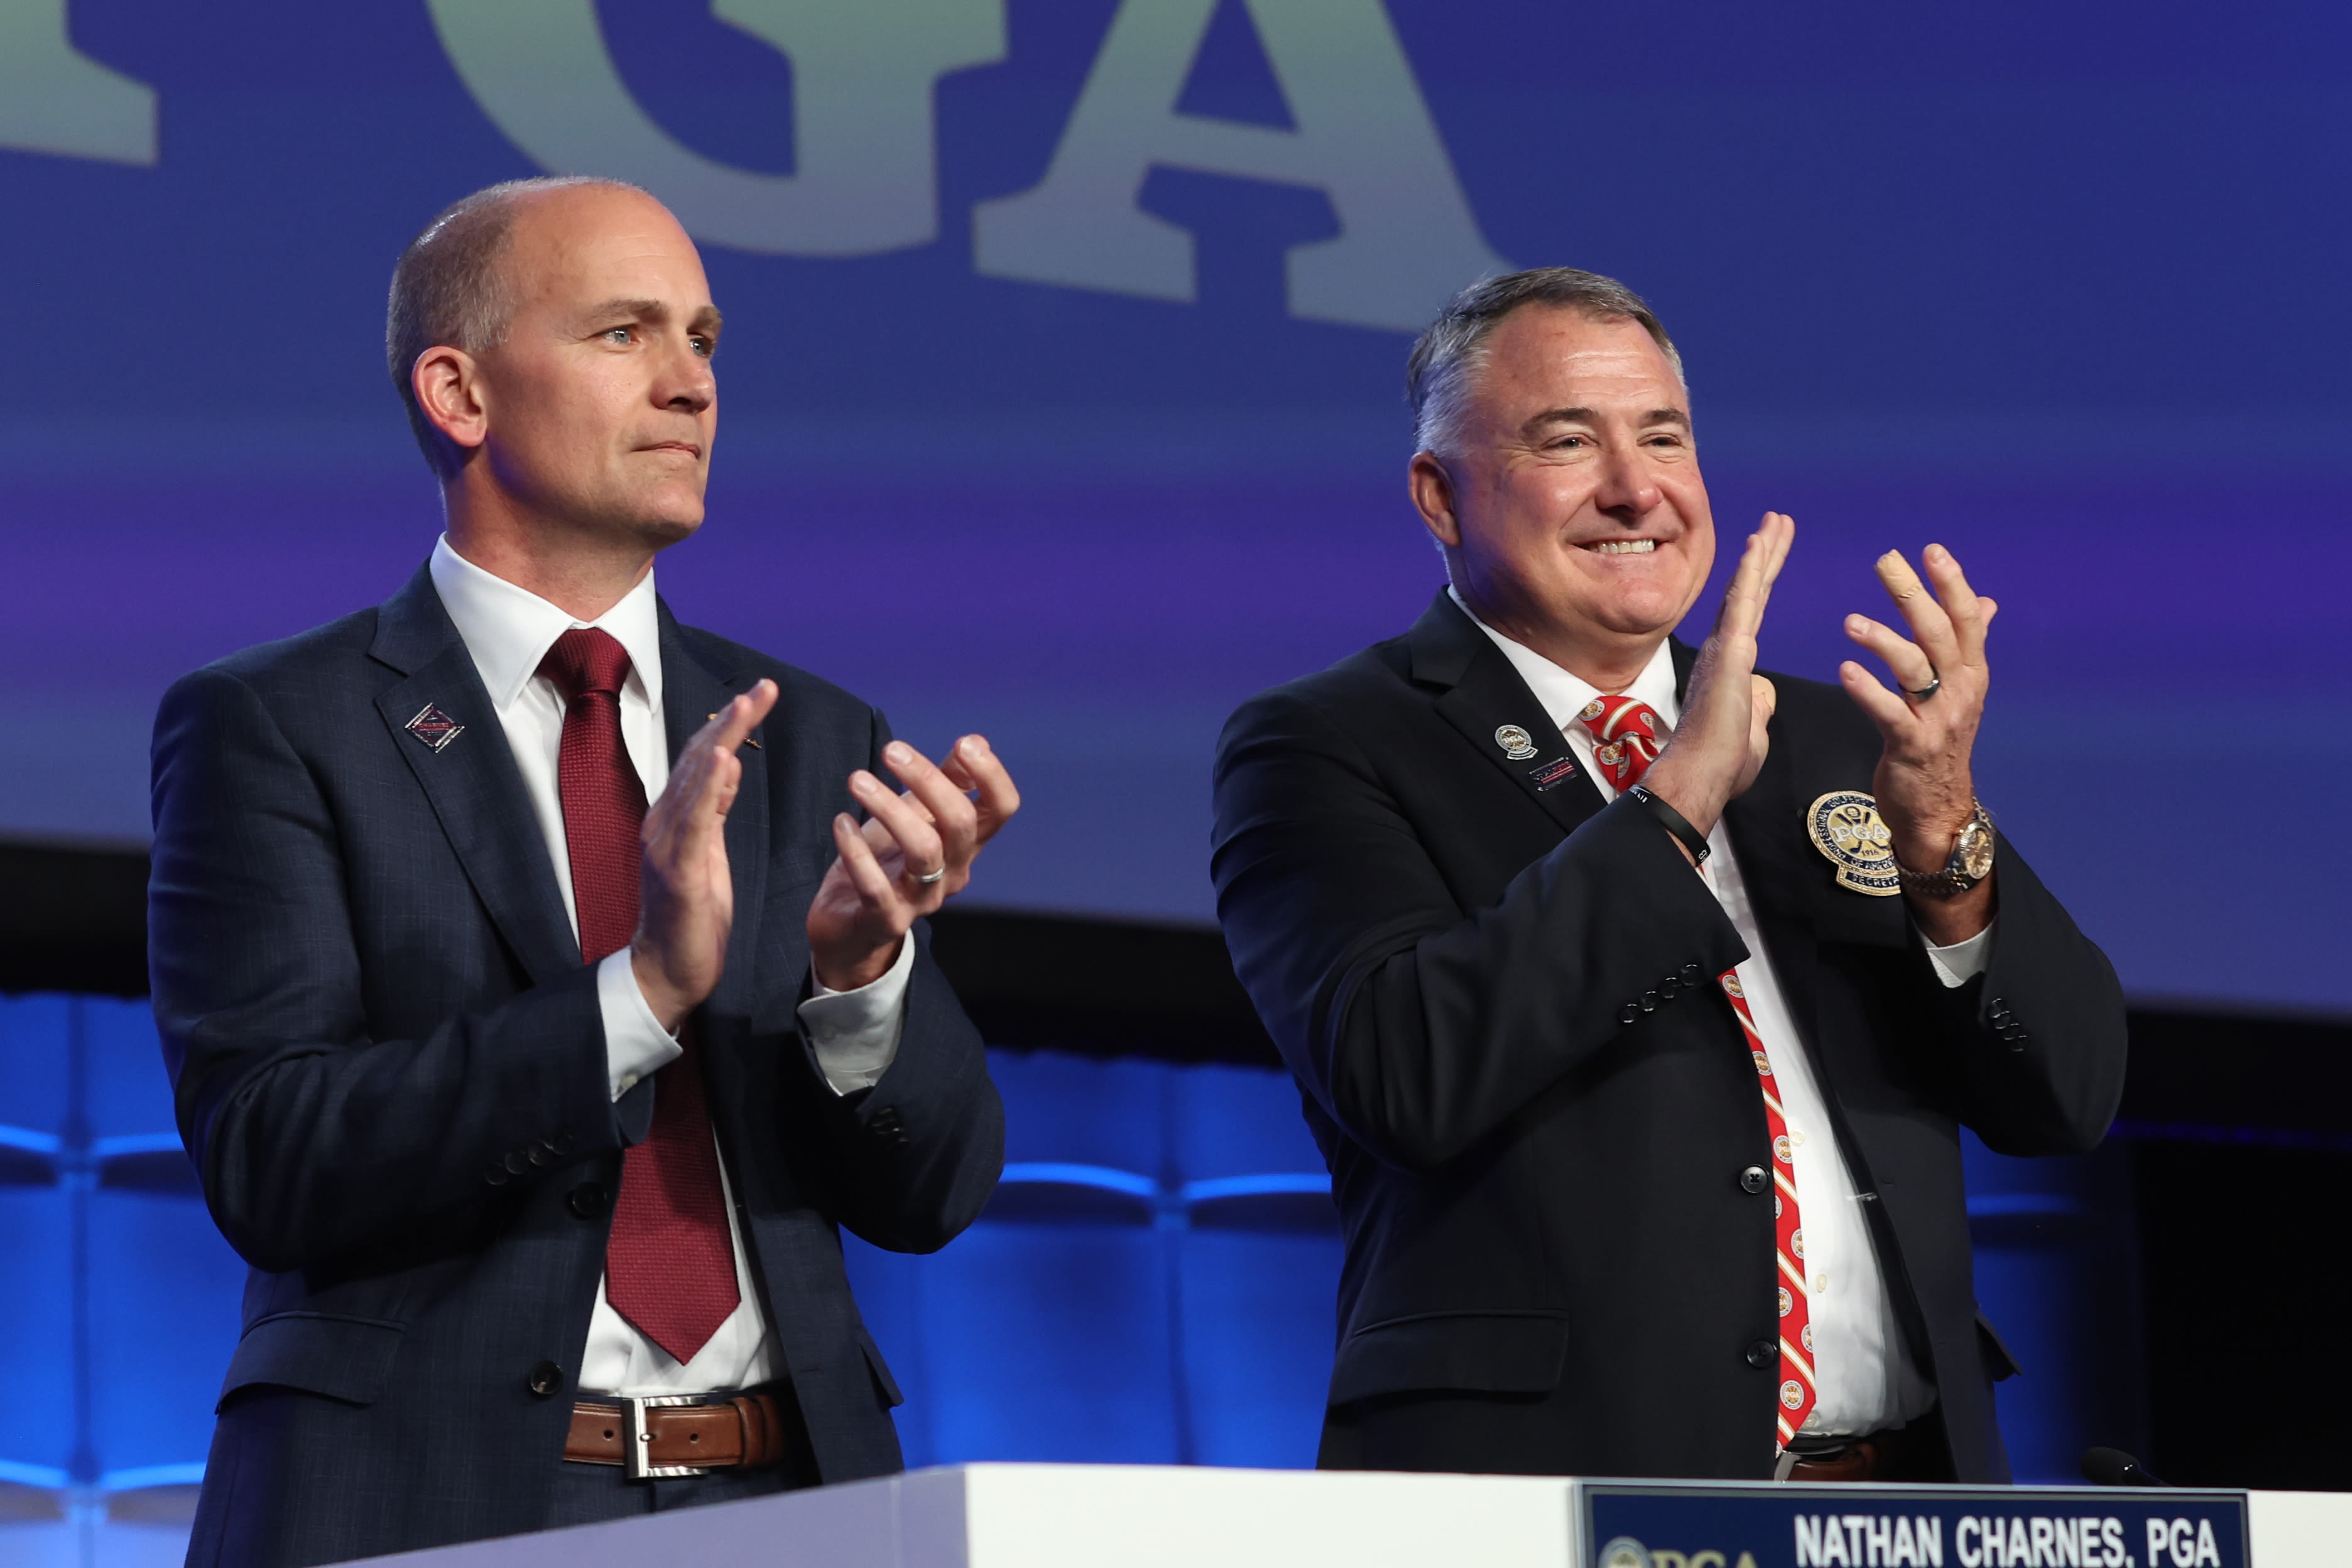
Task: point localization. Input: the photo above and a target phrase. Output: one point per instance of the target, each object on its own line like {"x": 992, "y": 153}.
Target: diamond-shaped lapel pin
{"x": 435, "y": 728}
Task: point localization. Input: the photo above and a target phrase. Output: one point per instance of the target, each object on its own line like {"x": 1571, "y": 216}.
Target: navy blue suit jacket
{"x": 389, "y": 1068}
{"x": 1537, "y": 1107}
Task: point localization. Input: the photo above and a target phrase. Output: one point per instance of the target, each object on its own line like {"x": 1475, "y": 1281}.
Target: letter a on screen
{"x": 1407, "y": 238}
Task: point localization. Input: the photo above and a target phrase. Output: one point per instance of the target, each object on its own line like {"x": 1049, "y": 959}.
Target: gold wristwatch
{"x": 1970, "y": 861}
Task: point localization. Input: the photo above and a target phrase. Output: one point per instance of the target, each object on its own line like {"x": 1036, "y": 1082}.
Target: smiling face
{"x": 599, "y": 405}
{"x": 1571, "y": 510}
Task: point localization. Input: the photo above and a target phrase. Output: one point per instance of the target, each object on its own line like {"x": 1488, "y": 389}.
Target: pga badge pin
{"x": 1517, "y": 743}
{"x": 1845, "y": 825}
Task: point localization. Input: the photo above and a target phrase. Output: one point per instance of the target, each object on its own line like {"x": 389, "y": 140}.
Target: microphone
{"x": 2114, "y": 1467}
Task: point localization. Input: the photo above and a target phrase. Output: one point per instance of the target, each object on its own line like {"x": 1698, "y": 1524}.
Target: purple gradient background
{"x": 1099, "y": 628}
{"x": 2075, "y": 310}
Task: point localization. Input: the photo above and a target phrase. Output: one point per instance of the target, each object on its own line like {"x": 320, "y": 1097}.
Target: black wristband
{"x": 1674, "y": 822}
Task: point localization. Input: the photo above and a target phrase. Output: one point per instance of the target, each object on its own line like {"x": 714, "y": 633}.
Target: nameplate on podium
{"x": 1150, "y": 1516}
{"x": 1669, "y": 1524}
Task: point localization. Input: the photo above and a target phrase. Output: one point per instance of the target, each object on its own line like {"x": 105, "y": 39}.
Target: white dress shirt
{"x": 855, "y": 1034}
{"x": 1863, "y": 1379}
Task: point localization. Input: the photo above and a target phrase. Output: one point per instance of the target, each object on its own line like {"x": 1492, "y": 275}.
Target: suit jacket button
{"x": 587, "y": 1200}
{"x": 1649, "y": 1001}
{"x": 518, "y": 1162}
{"x": 1628, "y": 1013}
{"x": 1669, "y": 985}
{"x": 1754, "y": 1179}
{"x": 1690, "y": 974}
{"x": 537, "y": 1154}
{"x": 495, "y": 1175}
{"x": 1763, "y": 1355}
{"x": 544, "y": 1379}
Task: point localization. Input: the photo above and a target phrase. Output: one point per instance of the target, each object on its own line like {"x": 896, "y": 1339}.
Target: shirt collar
{"x": 1564, "y": 695}
{"x": 509, "y": 629}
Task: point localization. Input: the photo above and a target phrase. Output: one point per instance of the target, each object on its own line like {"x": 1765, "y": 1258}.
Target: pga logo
{"x": 1625, "y": 1551}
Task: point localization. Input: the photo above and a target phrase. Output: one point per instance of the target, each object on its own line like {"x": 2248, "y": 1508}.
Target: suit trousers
{"x": 592, "y": 1494}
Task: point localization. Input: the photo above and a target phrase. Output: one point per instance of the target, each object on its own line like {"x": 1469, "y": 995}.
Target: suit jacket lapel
{"x": 1765, "y": 833}
{"x": 1685, "y": 658}
{"x": 1798, "y": 905}
{"x": 470, "y": 777}
{"x": 1482, "y": 695}
{"x": 695, "y": 685}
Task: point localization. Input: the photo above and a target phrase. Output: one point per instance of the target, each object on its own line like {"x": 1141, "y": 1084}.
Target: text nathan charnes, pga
{"x": 2038, "y": 1540}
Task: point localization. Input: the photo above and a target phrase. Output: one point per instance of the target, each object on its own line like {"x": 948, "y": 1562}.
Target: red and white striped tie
{"x": 1630, "y": 734}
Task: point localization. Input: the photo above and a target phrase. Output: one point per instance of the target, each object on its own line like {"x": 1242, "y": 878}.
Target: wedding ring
{"x": 927, "y": 877}
{"x": 1934, "y": 684}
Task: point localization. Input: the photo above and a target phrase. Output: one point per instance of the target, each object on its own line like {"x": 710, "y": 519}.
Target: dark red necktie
{"x": 670, "y": 1264}
{"x": 1630, "y": 736}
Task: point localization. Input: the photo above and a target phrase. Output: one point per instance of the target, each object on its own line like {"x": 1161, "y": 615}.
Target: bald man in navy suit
{"x": 544, "y": 982}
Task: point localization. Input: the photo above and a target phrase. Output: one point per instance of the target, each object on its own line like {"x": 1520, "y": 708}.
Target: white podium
{"x": 1122, "y": 1516}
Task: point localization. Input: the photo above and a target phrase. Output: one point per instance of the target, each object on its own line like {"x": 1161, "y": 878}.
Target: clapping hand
{"x": 1924, "y": 785}
{"x": 1720, "y": 743}
{"x": 913, "y": 853}
{"x": 686, "y": 898}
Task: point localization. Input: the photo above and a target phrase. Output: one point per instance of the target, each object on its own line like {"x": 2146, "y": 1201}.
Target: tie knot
{"x": 586, "y": 659}
{"x": 1630, "y": 734}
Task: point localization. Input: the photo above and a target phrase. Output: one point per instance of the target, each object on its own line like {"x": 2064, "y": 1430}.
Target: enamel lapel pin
{"x": 435, "y": 728}
{"x": 1518, "y": 745}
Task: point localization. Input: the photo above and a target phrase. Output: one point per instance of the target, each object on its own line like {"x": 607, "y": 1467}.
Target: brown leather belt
{"x": 1898, "y": 1454}
{"x": 686, "y": 1434}
{"x": 1857, "y": 1461}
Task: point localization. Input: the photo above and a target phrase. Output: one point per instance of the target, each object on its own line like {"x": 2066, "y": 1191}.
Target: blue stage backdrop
{"x": 1061, "y": 388}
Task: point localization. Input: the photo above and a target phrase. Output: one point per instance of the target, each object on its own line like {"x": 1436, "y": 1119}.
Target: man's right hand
{"x": 1719, "y": 746}
{"x": 686, "y": 899}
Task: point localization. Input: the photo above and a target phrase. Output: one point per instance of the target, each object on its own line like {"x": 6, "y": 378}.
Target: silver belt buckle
{"x": 637, "y": 1453}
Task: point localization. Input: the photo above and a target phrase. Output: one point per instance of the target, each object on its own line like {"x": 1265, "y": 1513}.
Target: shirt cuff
{"x": 855, "y": 1034}
{"x": 635, "y": 1042}
{"x": 1963, "y": 961}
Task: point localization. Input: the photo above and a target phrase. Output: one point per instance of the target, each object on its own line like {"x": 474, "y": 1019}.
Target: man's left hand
{"x": 914, "y": 852}
{"x": 1926, "y": 790}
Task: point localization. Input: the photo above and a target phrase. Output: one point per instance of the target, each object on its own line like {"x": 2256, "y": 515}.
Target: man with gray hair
{"x": 536, "y": 1011}
{"x": 1638, "y": 999}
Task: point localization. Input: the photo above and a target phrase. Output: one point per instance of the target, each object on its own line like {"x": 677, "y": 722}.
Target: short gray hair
{"x": 1453, "y": 348}
{"x": 449, "y": 289}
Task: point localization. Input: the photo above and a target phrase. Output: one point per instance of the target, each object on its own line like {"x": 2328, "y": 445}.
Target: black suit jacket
{"x": 390, "y": 1068}
{"x": 1537, "y": 1194}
